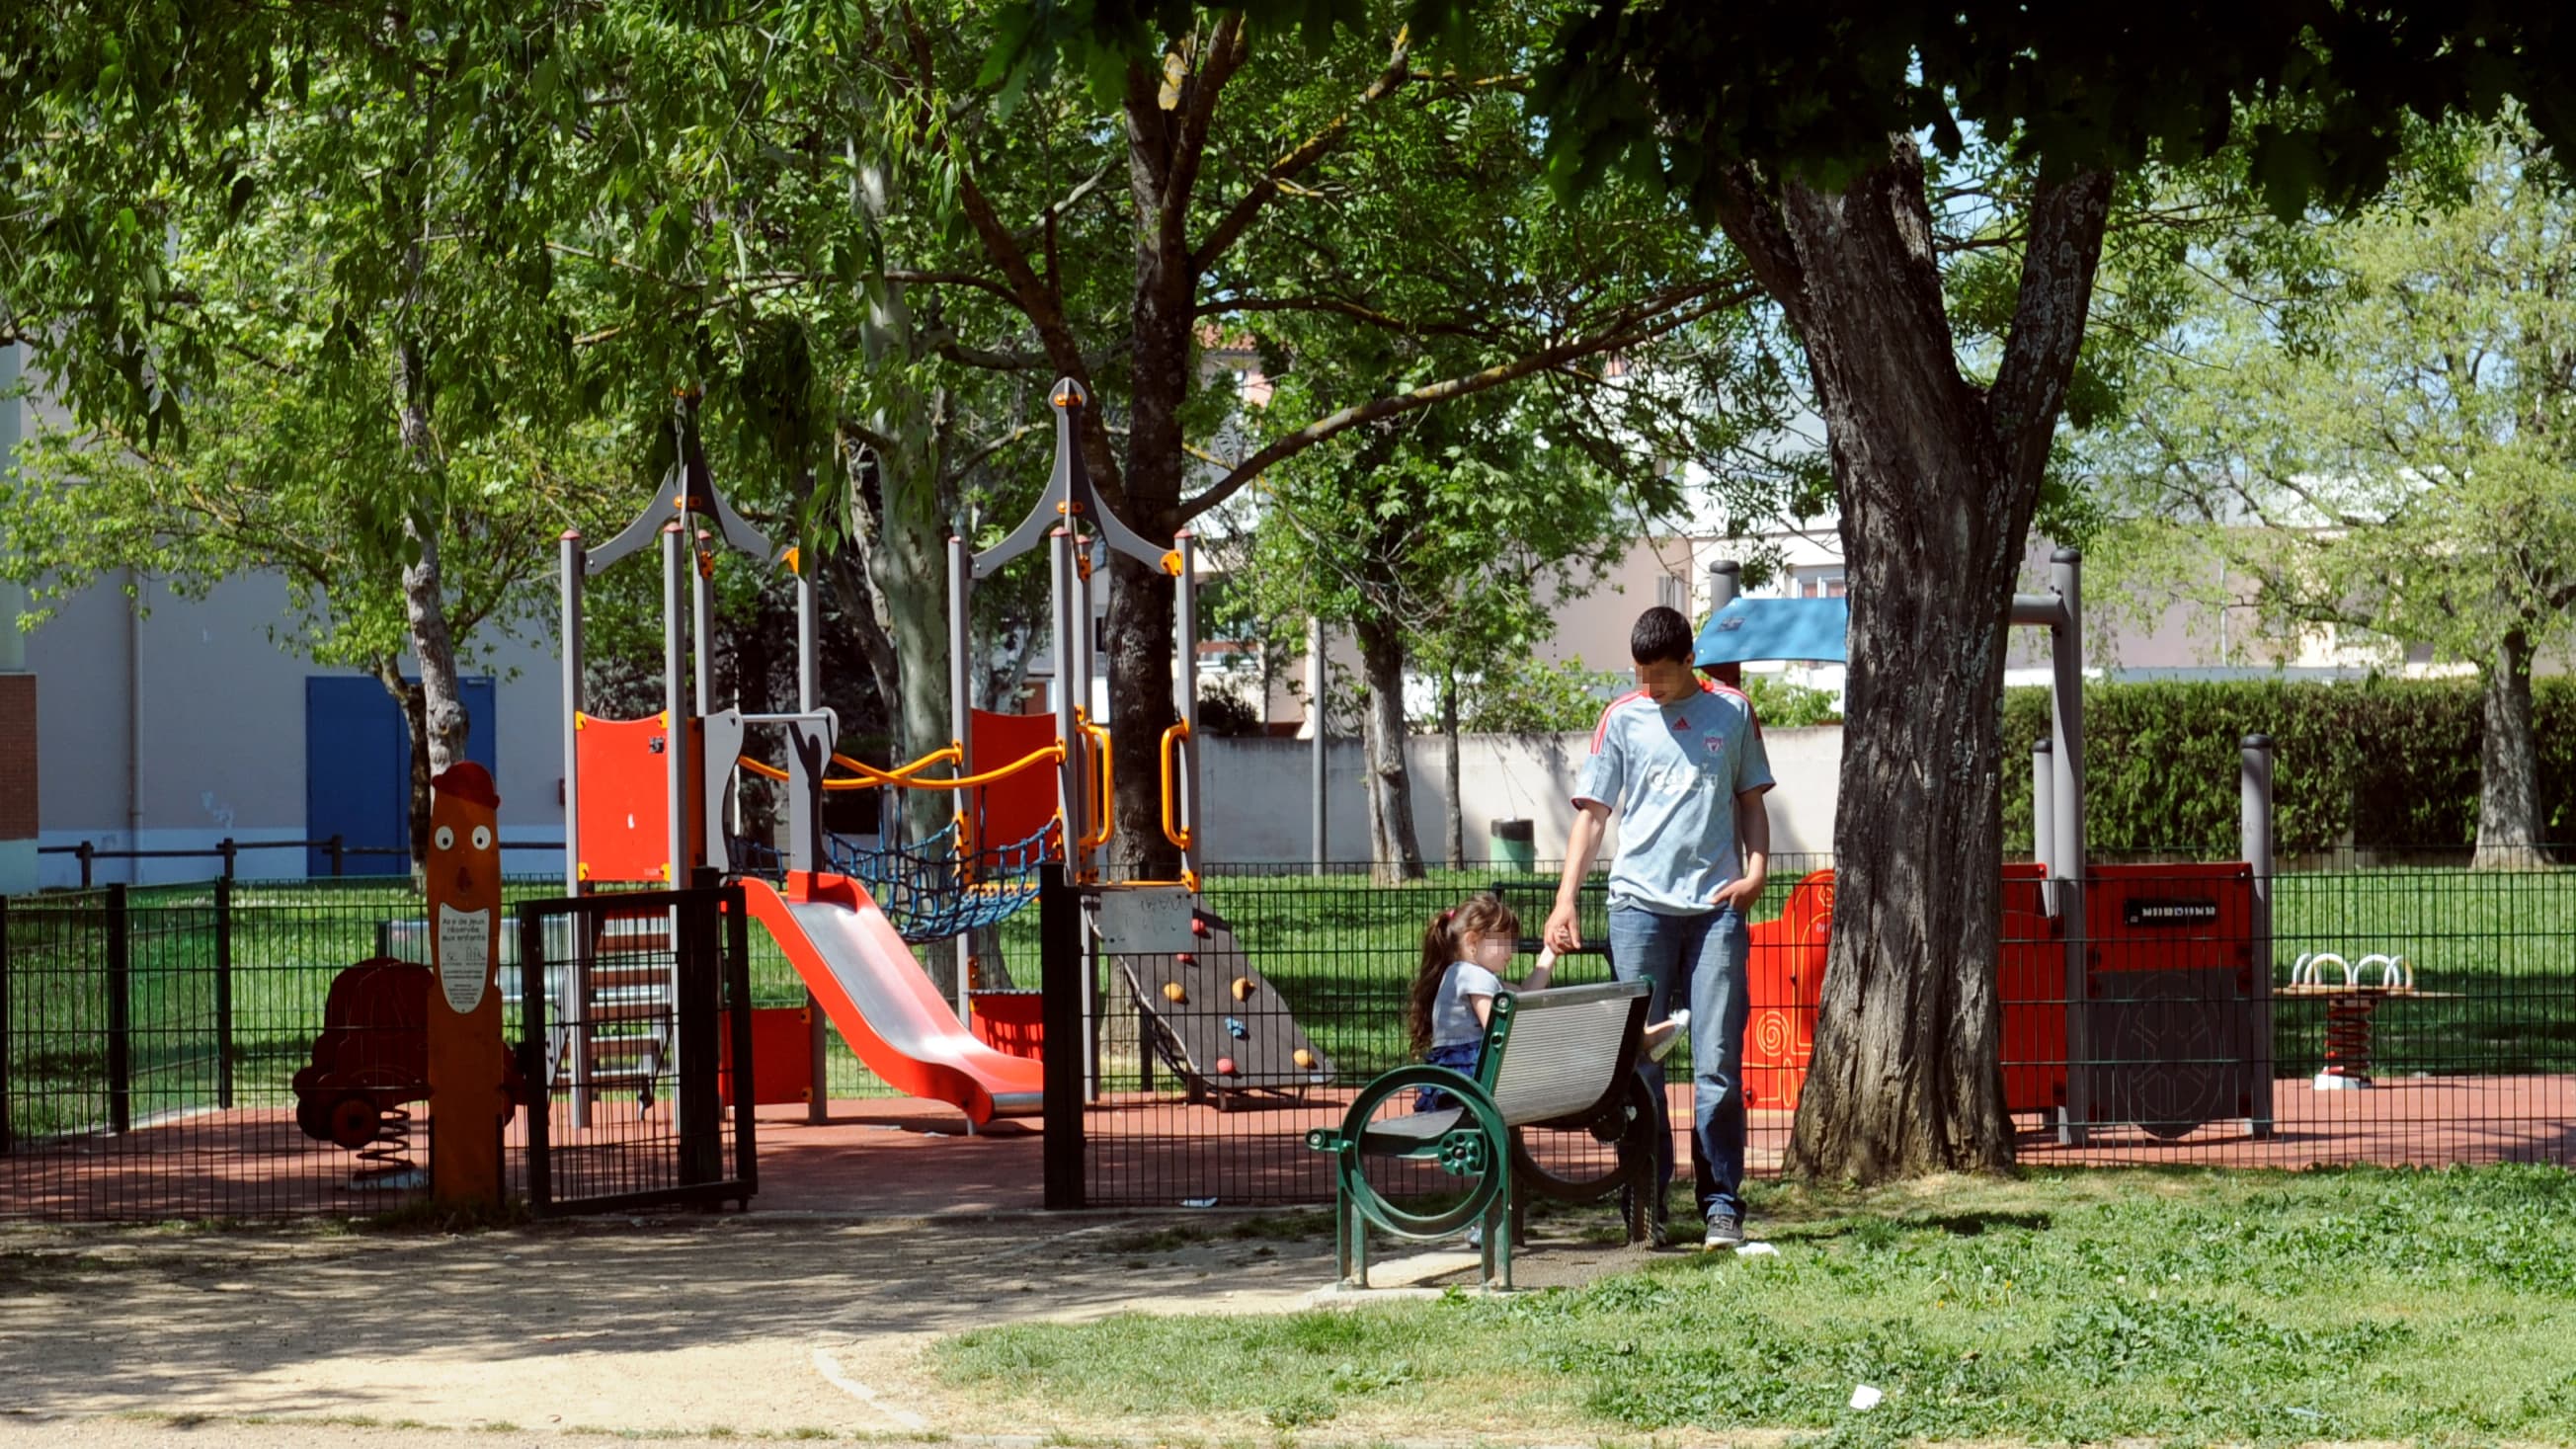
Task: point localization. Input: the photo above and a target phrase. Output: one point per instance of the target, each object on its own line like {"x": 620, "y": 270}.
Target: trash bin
{"x": 1515, "y": 844}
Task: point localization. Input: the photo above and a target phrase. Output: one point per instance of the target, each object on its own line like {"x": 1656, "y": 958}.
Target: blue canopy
{"x": 1750, "y": 629}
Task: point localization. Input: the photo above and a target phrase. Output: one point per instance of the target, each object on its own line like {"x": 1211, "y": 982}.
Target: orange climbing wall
{"x": 625, "y": 798}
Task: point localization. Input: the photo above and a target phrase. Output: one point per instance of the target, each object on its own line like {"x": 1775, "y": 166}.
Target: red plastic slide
{"x": 873, "y": 989}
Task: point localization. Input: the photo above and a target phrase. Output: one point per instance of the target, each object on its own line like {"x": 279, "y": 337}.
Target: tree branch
{"x": 1750, "y": 216}
{"x": 1341, "y": 307}
{"x": 1240, "y": 218}
{"x": 2067, "y": 214}
{"x": 1709, "y": 299}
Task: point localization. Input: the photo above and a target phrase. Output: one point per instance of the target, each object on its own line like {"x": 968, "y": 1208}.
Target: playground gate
{"x": 657, "y": 984}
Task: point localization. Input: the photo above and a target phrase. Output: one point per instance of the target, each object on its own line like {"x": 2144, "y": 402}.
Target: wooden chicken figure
{"x": 467, "y": 1099}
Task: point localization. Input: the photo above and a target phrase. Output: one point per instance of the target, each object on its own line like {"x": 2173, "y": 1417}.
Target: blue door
{"x": 357, "y": 769}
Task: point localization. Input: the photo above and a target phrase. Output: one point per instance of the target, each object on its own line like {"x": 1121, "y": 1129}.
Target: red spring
{"x": 388, "y": 1153}
{"x": 2348, "y": 1035}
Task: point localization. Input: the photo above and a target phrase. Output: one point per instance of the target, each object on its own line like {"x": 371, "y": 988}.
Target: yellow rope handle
{"x": 1099, "y": 737}
{"x": 871, "y": 778}
{"x": 945, "y": 755}
{"x": 1173, "y": 830}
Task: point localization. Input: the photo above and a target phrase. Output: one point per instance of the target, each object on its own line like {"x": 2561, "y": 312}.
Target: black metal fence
{"x": 2345, "y": 1012}
{"x": 149, "y": 1037}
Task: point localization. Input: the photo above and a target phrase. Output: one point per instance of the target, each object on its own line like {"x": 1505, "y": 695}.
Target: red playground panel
{"x": 1021, "y": 805}
{"x": 782, "y": 1055}
{"x": 1010, "y": 1020}
{"x": 625, "y": 797}
{"x": 2182, "y": 932}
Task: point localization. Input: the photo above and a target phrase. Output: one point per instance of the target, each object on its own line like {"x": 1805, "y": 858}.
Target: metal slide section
{"x": 870, "y": 985}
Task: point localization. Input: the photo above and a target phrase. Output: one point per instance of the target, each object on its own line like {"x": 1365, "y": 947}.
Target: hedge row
{"x": 2374, "y": 764}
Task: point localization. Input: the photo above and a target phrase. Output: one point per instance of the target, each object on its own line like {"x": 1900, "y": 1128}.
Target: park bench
{"x": 1560, "y": 1060}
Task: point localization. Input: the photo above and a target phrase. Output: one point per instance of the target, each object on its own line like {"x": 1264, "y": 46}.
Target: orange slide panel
{"x": 873, "y": 989}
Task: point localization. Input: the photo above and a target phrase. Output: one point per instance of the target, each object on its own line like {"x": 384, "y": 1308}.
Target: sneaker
{"x": 1476, "y": 1237}
{"x": 1725, "y": 1231}
{"x": 1663, "y": 1037}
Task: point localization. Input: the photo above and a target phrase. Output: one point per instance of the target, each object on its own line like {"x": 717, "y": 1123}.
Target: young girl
{"x": 1464, "y": 951}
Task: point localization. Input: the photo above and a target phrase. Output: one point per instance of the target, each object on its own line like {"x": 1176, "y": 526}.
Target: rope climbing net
{"x": 929, "y": 889}
{"x": 930, "y": 895}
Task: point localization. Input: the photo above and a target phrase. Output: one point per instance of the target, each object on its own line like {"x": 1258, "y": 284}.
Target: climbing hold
{"x": 1304, "y": 1059}
{"x": 1225, "y": 1066}
{"x": 1198, "y": 925}
{"x": 1243, "y": 988}
{"x": 1234, "y": 1028}
{"x": 1173, "y": 991}
{"x": 1184, "y": 957}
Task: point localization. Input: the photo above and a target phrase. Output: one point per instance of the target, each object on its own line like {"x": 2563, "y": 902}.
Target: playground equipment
{"x": 371, "y": 1062}
{"x": 2132, "y": 994}
{"x": 645, "y": 800}
{"x": 2352, "y": 992}
{"x": 1217, "y": 1023}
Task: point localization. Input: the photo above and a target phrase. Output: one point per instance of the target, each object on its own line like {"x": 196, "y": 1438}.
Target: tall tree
{"x": 2374, "y": 424}
{"x": 411, "y": 150}
{"x": 1242, "y": 148}
{"x": 1802, "y": 131}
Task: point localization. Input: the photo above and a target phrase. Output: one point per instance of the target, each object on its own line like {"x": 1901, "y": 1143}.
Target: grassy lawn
{"x": 2186, "y": 1306}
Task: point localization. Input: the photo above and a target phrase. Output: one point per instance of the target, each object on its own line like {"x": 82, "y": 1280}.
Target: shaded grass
{"x": 2188, "y": 1306}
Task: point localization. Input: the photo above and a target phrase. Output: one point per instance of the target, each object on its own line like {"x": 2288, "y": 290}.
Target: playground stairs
{"x": 628, "y": 1002}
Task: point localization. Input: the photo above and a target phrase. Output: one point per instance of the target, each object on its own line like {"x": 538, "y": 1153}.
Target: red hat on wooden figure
{"x": 466, "y": 780}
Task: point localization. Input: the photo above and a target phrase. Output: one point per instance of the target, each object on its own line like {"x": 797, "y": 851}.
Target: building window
{"x": 1820, "y": 585}
{"x": 1671, "y": 592}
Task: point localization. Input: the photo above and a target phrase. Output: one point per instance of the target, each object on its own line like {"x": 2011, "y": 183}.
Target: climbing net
{"x": 928, "y": 890}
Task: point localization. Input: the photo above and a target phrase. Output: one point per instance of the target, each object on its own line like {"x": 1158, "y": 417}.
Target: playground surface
{"x": 721, "y": 1326}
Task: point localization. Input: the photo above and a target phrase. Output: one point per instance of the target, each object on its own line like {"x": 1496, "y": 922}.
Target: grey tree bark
{"x": 2508, "y": 761}
{"x": 1456, "y": 834}
{"x": 442, "y": 704}
{"x": 1938, "y": 479}
{"x": 1395, "y": 849}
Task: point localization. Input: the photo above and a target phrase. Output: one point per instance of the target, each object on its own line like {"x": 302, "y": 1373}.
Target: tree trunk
{"x": 1394, "y": 847}
{"x": 409, "y": 699}
{"x": 424, "y": 595}
{"x": 2508, "y": 761}
{"x": 1937, "y": 482}
{"x": 902, "y": 571}
{"x": 1456, "y": 852}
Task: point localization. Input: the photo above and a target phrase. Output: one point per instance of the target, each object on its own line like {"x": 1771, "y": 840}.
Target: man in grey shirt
{"x": 1681, "y": 759}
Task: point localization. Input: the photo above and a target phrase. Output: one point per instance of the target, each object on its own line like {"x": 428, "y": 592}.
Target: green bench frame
{"x": 1559, "y": 1060}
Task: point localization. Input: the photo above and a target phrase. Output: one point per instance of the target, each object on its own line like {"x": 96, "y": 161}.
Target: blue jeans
{"x": 1462, "y": 1057}
{"x": 1699, "y": 960}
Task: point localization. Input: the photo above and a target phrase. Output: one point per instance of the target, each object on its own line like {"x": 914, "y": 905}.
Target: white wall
{"x": 1259, "y": 794}
{"x": 179, "y": 728}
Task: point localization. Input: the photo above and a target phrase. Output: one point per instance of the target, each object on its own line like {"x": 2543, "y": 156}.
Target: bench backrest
{"x": 1560, "y": 1052}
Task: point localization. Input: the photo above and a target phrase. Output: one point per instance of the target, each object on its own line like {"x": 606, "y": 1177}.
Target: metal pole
{"x": 1725, "y": 581}
{"x": 961, "y": 727}
{"x": 120, "y": 1011}
{"x": 2254, "y": 828}
{"x": 676, "y": 565}
{"x": 223, "y": 992}
{"x": 2043, "y": 766}
{"x": 1185, "y": 688}
{"x": 1061, "y": 962}
{"x": 675, "y": 702}
{"x": 1315, "y": 715}
{"x": 574, "y": 561}
{"x": 809, "y": 694}
{"x": 702, "y": 634}
{"x": 2066, "y": 686}
{"x": 1069, "y": 772}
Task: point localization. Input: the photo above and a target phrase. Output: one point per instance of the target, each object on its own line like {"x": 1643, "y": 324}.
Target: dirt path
{"x": 734, "y": 1325}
